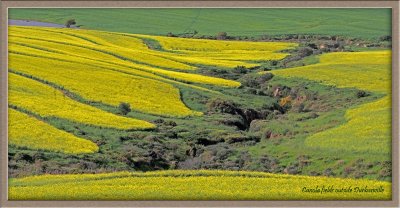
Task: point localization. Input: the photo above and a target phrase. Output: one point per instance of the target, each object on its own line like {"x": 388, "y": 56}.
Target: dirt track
{"x": 35, "y": 23}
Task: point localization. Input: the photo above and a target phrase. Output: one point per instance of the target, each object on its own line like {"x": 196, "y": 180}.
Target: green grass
{"x": 237, "y": 22}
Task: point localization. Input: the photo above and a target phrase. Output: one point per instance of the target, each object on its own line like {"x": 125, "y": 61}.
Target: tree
{"x": 124, "y": 108}
{"x": 222, "y": 36}
{"x": 70, "y": 22}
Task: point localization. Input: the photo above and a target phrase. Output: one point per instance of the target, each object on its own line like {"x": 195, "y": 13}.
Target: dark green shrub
{"x": 170, "y": 123}
{"x": 362, "y": 93}
{"x": 171, "y": 134}
{"x": 70, "y": 22}
{"x": 159, "y": 121}
{"x": 255, "y": 80}
{"x": 235, "y": 138}
{"x": 385, "y": 38}
{"x": 124, "y": 108}
{"x": 251, "y": 91}
{"x": 240, "y": 70}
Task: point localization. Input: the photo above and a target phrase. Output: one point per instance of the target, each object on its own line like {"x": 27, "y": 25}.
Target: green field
{"x": 237, "y": 22}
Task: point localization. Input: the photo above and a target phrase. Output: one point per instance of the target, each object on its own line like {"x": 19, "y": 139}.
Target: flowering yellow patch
{"x": 363, "y": 70}
{"x": 180, "y": 53}
{"x": 110, "y": 54}
{"x": 185, "y": 44}
{"x": 205, "y": 60}
{"x": 106, "y": 86}
{"x": 195, "y": 185}
{"x": 45, "y": 34}
{"x": 368, "y": 129}
{"x": 27, "y": 131}
{"x": 220, "y": 53}
{"x": 46, "y": 101}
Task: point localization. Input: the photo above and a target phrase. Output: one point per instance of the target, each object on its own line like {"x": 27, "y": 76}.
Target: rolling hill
{"x": 196, "y": 104}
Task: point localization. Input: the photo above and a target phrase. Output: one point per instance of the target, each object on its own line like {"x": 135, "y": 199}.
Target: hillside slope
{"x": 368, "y": 126}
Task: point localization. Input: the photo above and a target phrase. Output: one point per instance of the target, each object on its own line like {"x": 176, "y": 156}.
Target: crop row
{"x": 27, "y": 131}
{"x": 46, "y": 101}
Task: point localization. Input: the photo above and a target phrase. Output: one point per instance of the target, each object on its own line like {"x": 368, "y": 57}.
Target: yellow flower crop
{"x": 368, "y": 129}
{"x": 113, "y": 55}
{"x": 110, "y": 87}
{"x": 363, "y": 70}
{"x": 181, "y": 53}
{"x": 184, "y": 44}
{"x": 27, "y": 131}
{"x": 368, "y": 126}
{"x": 47, "y": 102}
{"x": 193, "y": 185}
{"x": 220, "y": 53}
{"x": 112, "y": 68}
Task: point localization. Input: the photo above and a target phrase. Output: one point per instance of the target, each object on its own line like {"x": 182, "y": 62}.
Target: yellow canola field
{"x": 210, "y": 52}
{"x": 137, "y": 54}
{"x": 46, "y": 101}
{"x": 195, "y": 185}
{"x": 238, "y": 55}
{"x": 368, "y": 127}
{"x": 43, "y": 33}
{"x": 185, "y": 44}
{"x": 109, "y": 87}
{"x": 71, "y": 52}
{"x": 30, "y": 50}
{"x": 205, "y": 60}
{"x": 220, "y": 53}
{"x": 27, "y": 131}
{"x": 181, "y": 53}
{"x": 86, "y": 59}
{"x": 363, "y": 70}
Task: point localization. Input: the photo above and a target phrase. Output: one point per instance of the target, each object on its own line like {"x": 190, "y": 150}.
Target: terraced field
{"x": 96, "y": 55}
{"x": 69, "y": 50}
{"x": 46, "y": 101}
{"x": 369, "y": 123}
{"x": 203, "y": 185}
{"x": 29, "y": 132}
{"x": 112, "y": 68}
